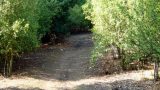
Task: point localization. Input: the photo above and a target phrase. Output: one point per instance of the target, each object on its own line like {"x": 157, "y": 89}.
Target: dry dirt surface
{"x": 66, "y": 67}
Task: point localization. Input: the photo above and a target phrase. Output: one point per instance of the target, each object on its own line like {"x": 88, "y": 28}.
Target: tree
{"x": 48, "y": 9}
{"x": 133, "y": 26}
{"x": 77, "y": 19}
{"x": 65, "y": 20}
{"x": 22, "y": 24}
{"x": 145, "y": 35}
{"x": 17, "y": 30}
{"x": 111, "y": 23}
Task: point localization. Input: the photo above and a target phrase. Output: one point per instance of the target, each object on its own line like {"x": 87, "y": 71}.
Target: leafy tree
{"x": 22, "y": 24}
{"x": 65, "y": 20}
{"x": 48, "y": 9}
{"x": 145, "y": 35}
{"x": 111, "y": 23}
{"x": 17, "y": 30}
{"x": 132, "y": 26}
{"x": 77, "y": 18}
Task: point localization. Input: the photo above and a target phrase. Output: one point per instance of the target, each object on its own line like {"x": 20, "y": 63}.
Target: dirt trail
{"x": 74, "y": 60}
{"x": 67, "y": 68}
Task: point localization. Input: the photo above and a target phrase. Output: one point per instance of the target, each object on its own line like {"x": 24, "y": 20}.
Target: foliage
{"x": 110, "y": 21}
{"x": 77, "y": 18}
{"x": 22, "y": 23}
{"x": 48, "y": 9}
{"x": 71, "y": 15}
{"x": 132, "y": 26}
{"x": 16, "y": 32}
{"x": 145, "y": 38}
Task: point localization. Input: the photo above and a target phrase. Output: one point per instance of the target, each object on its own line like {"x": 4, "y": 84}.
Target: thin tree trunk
{"x": 122, "y": 56}
{"x": 8, "y": 64}
{"x": 156, "y": 66}
{"x": 5, "y": 66}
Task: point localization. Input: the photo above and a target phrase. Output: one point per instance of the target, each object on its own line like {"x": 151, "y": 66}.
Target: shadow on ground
{"x": 118, "y": 85}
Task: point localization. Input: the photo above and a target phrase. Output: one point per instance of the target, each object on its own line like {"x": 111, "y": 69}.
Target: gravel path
{"x": 67, "y": 68}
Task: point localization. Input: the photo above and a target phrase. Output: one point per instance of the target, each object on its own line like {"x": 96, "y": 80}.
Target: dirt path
{"x": 74, "y": 60}
{"x": 67, "y": 68}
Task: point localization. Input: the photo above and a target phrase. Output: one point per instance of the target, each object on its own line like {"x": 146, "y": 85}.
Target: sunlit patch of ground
{"x": 38, "y": 84}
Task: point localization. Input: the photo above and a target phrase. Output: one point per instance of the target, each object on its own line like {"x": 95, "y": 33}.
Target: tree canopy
{"x": 24, "y": 23}
{"x": 131, "y": 25}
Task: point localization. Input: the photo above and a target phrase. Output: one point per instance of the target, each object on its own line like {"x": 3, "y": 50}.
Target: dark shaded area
{"x": 53, "y": 38}
{"x": 118, "y": 85}
{"x": 32, "y": 59}
{"x": 49, "y": 38}
{"x": 1, "y": 66}
{"x": 62, "y": 26}
{"x": 80, "y": 31}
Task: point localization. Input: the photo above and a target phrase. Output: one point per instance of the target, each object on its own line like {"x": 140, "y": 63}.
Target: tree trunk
{"x": 156, "y": 66}
{"x": 122, "y": 56}
{"x": 8, "y": 64}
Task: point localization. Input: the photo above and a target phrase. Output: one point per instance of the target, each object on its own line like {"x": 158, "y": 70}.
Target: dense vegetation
{"x": 24, "y": 22}
{"x": 130, "y": 25}
{"x": 70, "y": 17}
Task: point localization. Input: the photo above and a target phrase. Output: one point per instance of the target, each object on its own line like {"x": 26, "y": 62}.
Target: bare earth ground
{"x": 67, "y": 68}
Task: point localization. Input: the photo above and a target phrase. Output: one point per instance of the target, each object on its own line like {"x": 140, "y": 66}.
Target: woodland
{"x": 129, "y": 29}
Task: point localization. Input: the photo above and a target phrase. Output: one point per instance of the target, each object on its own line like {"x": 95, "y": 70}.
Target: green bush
{"x": 71, "y": 16}
{"x": 131, "y": 25}
{"x": 111, "y": 24}
{"x": 77, "y": 18}
{"x": 22, "y": 24}
{"x": 48, "y": 10}
{"x": 17, "y": 30}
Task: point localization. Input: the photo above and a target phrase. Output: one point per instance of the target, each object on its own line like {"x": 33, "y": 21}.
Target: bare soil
{"x": 67, "y": 67}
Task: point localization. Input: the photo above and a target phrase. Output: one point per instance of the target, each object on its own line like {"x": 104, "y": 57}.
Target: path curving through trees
{"x": 67, "y": 68}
